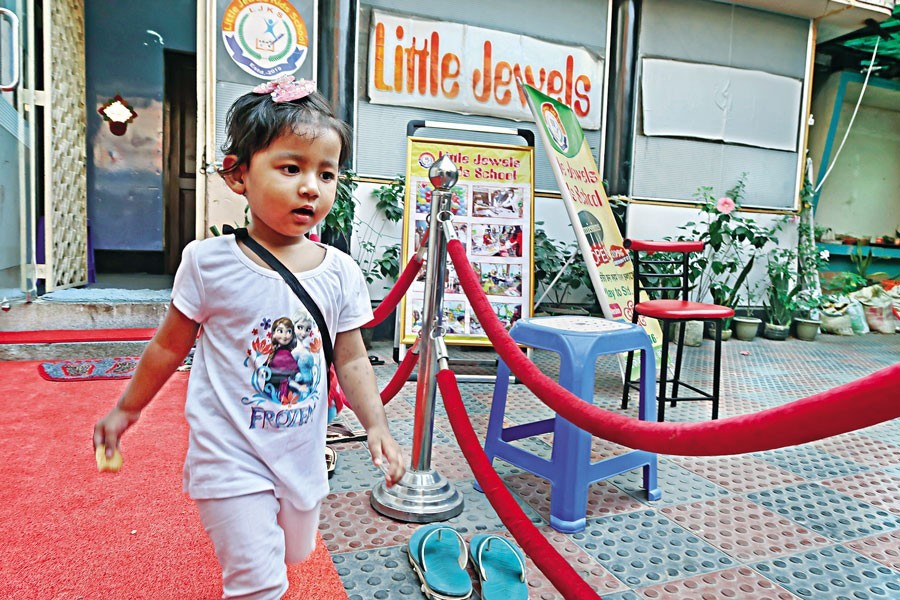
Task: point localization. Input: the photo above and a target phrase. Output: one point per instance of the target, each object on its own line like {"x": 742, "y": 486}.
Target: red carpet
{"x": 68, "y": 531}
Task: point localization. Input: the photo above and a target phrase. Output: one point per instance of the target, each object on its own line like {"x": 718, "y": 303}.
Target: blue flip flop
{"x": 500, "y": 566}
{"x": 438, "y": 555}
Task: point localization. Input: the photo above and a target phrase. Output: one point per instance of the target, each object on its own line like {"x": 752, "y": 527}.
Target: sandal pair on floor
{"x": 339, "y": 432}
{"x": 438, "y": 555}
{"x": 330, "y": 461}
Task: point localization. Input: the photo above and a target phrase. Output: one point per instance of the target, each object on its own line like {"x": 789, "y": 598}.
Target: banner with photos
{"x": 601, "y": 244}
{"x": 493, "y": 214}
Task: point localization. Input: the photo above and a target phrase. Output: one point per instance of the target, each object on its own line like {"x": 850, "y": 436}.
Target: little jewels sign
{"x": 471, "y": 70}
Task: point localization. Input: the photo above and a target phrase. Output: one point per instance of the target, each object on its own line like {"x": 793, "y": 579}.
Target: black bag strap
{"x": 292, "y": 281}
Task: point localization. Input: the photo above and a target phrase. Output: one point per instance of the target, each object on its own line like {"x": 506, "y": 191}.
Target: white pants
{"x": 255, "y": 536}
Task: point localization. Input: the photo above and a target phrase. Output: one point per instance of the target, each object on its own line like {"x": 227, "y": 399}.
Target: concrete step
{"x": 130, "y": 309}
{"x": 90, "y": 308}
{"x": 70, "y": 350}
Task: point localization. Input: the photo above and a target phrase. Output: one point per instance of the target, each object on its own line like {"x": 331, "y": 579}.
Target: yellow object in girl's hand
{"x": 111, "y": 464}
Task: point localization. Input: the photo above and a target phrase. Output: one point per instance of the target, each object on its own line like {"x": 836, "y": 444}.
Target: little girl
{"x": 254, "y": 465}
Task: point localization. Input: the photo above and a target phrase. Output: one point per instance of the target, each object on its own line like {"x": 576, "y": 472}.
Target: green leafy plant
{"x": 808, "y": 302}
{"x": 863, "y": 263}
{"x": 383, "y": 264}
{"x": 843, "y": 283}
{"x": 337, "y": 226}
{"x": 654, "y": 271}
{"x": 733, "y": 241}
{"x": 551, "y": 258}
{"x": 781, "y": 302}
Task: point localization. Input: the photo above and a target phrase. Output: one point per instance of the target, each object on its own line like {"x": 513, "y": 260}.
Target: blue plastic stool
{"x": 578, "y": 341}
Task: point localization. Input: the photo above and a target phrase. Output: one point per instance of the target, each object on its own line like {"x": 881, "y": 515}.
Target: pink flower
{"x": 725, "y": 205}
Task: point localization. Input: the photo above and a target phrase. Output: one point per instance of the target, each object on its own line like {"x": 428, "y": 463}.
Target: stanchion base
{"x": 420, "y": 497}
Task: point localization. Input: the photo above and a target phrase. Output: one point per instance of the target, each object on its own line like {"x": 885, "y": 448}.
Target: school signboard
{"x": 609, "y": 265}
{"x": 493, "y": 216}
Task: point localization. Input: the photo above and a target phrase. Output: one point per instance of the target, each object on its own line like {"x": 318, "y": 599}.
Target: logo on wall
{"x": 555, "y": 127}
{"x": 265, "y": 39}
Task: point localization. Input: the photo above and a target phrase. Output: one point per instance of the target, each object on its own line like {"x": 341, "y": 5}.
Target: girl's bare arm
{"x": 164, "y": 354}
{"x": 351, "y": 361}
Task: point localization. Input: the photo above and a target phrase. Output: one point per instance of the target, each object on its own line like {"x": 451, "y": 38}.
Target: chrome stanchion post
{"x": 424, "y": 495}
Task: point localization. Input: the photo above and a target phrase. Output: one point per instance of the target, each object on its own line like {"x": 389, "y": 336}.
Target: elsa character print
{"x": 308, "y": 345}
{"x": 281, "y": 363}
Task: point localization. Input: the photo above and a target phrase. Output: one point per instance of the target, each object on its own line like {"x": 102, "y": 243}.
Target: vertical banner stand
{"x": 424, "y": 495}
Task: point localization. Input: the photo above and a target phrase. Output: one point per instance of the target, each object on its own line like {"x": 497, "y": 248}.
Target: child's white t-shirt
{"x": 252, "y": 429}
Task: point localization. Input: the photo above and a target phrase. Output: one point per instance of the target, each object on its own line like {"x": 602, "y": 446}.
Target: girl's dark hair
{"x": 255, "y": 120}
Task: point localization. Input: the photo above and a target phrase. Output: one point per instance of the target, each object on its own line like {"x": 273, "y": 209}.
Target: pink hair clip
{"x": 285, "y": 88}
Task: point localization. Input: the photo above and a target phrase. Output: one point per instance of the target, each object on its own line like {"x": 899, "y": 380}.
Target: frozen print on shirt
{"x": 284, "y": 360}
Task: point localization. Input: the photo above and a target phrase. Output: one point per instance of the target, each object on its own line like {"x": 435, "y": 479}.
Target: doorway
{"x": 180, "y": 155}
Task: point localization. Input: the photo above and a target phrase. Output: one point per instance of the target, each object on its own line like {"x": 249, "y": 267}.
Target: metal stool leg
{"x": 678, "y": 351}
{"x": 663, "y": 373}
{"x": 629, "y": 363}
{"x": 717, "y": 365}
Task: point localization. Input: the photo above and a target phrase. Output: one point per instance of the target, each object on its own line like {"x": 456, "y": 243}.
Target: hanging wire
{"x": 852, "y": 118}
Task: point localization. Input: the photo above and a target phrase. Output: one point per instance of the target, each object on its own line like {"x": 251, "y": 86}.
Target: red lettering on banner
{"x": 459, "y": 158}
{"x": 416, "y": 67}
{"x": 433, "y": 74}
{"x": 380, "y": 84}
{"x": 582, "y": 106}
{"x": 425, "y": 70}
{"x": 502, "y": 79}
{"x": 485, "y": 76}
{"x": 398, "y": 62}
{"x": 584, "y": 174}
{"x": 588, "y": 198}
{"x": 450, "y": 71}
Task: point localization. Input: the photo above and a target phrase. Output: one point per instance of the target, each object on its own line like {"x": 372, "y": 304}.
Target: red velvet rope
{"x": 401, "y": 376}
{"x": 851, "y": 406}
{"x": 397, "y": 292}
{"x": 545, "y": 556}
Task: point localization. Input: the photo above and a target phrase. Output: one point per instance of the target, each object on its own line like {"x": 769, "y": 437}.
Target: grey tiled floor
{"x": 817, "y": 521}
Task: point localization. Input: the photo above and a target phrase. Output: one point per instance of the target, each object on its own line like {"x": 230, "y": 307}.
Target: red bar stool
{"x": 669, "y": 275}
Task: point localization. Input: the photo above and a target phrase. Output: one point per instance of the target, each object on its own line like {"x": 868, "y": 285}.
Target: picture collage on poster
{"x": 494, "y": 221}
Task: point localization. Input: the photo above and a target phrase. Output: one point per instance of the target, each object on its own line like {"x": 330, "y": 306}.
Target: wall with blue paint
{"x": 125, "y": 41}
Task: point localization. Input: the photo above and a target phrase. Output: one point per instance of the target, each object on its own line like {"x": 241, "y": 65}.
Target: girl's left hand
{"x": 386, "y": 455}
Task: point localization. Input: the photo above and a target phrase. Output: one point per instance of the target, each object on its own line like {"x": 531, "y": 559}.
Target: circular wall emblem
{"x": 555, "y": 127}
{"x": 265, "y": 39}
{"x": 562, "y": 128}
{"x": 426, "y": 159}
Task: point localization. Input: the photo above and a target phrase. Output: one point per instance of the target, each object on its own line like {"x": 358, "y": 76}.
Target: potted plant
{"x": 746, "y": 326}
{"x": 781, "y": 294}
{"x": 810, "y": 261}
{"x": 377, "y": 257}
{"x": 337, "y": 226}
{"x": 732, "y": 242}
{"x": 559, "y": 272}
{"x": 377, "y": 260}
{"x": 806, "y": 316}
